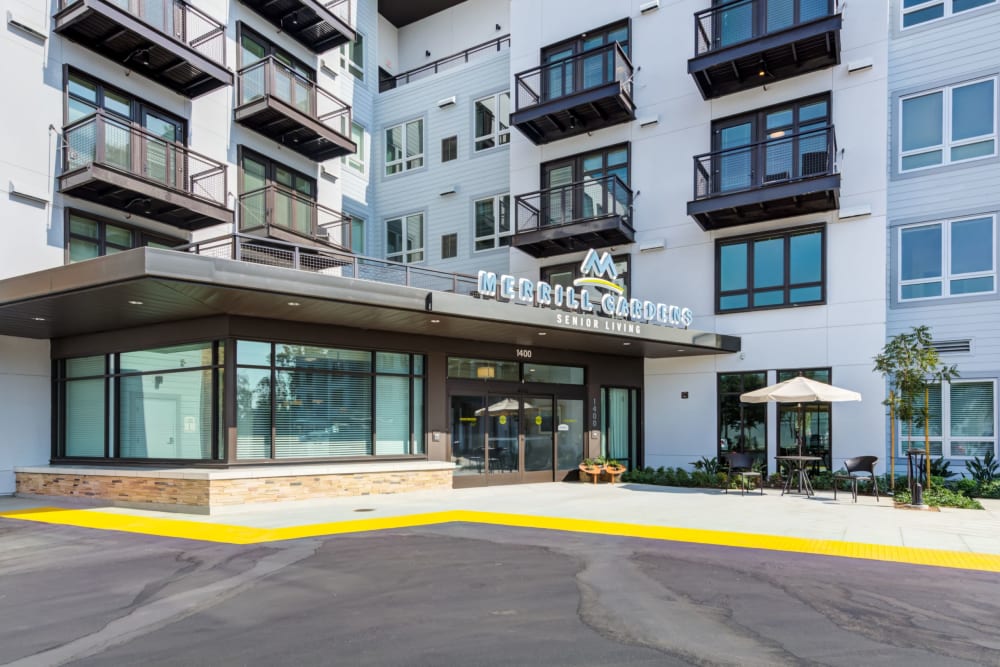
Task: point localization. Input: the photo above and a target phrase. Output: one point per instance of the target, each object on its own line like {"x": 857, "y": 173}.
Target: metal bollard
{"x": 918, "y": 495}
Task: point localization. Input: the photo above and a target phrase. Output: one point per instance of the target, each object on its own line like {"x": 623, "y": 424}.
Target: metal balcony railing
{"x": 573, "y": 203}
{"x": 115, "y": 143}
{"x": 443, "y": 64}
{"x": 781, "y": 159}
{"x": 272, "y": 78}
{"x": 590, "y": 69}
{"x": 179, "y": 21}
{"x": 743, "y": 20}
{"x": 271, "y": 252}
{"x": 281, "y": 207}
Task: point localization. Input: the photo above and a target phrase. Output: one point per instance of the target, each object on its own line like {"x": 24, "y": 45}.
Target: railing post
{"x": 295, "y": 257}
{"x": 99, "y": 138}
{"x": 237, "y": 248}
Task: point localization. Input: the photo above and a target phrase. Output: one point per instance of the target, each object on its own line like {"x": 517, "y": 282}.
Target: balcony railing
{"x": 743, "y": 20}
{"x": 471, "y": 54}
{"x": 104, "y": 26}
{"x": 319, "y": 25}
{"x": 276, "y": 207}
{"x": 282, "y": 104}
{"x": 572, "y": 203}
{"x": 117, "y": 145}
{"x": 256, "y": 250}
{"x": 579, "y": 94}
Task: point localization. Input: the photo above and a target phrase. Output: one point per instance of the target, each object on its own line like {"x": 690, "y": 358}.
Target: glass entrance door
{"x": 569, "y": 436}
{"x": 468, "y": 437}
{"x": 539, "y": 444}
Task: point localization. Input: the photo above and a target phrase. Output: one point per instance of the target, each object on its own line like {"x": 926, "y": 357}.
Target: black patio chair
{"x": 740, "y": 464}
{"x": 856, "y": 468}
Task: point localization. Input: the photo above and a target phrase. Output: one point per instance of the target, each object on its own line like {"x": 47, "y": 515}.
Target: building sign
{"x": 598, "y": 271}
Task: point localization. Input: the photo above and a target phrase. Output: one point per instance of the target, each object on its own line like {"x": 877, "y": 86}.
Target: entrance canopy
{"x": 149, "y": 286}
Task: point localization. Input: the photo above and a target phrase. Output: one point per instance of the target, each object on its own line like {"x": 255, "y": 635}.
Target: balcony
{"x": 586, "y": 92}
{"x": 169, "y": 42}
{"x": 284, "y": 214}
{"x": 779, "y": 178}
{"x": 283, "y": 105}
{"x": 569, "y": 218}
{"x": 108, "y": 161}
{"x": 317, "y": 25}
{"x": 748, "y": 43}
{"x": 448, "y": 63}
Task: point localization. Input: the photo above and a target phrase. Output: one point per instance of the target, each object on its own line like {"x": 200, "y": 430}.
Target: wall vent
{"x": 952, "y": 346}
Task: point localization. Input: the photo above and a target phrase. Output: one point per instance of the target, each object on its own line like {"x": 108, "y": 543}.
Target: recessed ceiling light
{"x": 38, "y": 319}
{"x": 435, "y": 321}
{"x": 294, "y": 303}
{"x": 680, "y": 349}
{"x": 626, "y": 343}
{"x": 134, "y": 302}
{"x": 543, "y": 333}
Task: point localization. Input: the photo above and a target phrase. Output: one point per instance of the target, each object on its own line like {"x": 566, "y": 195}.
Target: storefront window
{"x": 85, "y": 399}
{"x": 811, "y": 424}
{"x": 742, "y": 427}
{"x": 553, "y": 374}
{"x": 483, "y": 369}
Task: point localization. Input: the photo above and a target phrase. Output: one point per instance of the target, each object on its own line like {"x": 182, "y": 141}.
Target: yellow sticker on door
{"x": 503, "y": 419}
{"x": 538, "y": 420}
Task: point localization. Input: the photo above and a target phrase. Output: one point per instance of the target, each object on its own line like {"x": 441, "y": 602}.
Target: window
{"x": 291, "y": 78}
{"x": 404, "y": 238}
{"x": 89, "y": 237}
{"x": 358, "y": 244}
{"x": 814, "y": 418}
{"x": 352, "y": 57}
{"x": 492, "y": 116}
{"x": 949, "y": 125}
{"x": 404, "y": 147}
{"x": 742, "y": 427}
{"x": 273, "y": 194}
{"x": 357, "y": 159}
{"x": 962, "y": 421}
{"x": 770, "y": 270}
{"x": 449, "y": 246}
{"x": 950, "y": 258}
{"x": 449, "y": 149}
{"x": 916, "y": 12}
{"x": 583, "y": 187}
{"x": 492, "y": 221}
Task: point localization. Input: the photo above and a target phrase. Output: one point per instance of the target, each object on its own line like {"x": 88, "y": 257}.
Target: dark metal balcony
{"x": 283, "y": 105}
{"x": 586, "y": 92}
{"x": 748, "y": 43}
{"x": 281, "y": 213}
{"x": 579, "y": 216}
{"x": 319, "y": 25}
{"x": 108, "y": 161}
{"x": 784, "y": 176}
{"x": 170, "y": 42}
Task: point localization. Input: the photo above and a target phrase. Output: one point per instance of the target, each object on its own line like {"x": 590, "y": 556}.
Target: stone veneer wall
{"x": 211, "y": 493}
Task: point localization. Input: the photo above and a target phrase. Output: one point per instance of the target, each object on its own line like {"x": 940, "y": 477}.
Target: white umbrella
{"x": 800, "y": 390}
{"x": 505, "y": 405}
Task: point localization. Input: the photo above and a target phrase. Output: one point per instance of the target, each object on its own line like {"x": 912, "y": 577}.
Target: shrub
{"x": 709, "y": 466}
{"x": 939, "y": 468}
{"x": 940, "y": 496}
{"x": 984, "y": 470}
{"x": 967, "y": 487}
{"x": 989, "y": 489}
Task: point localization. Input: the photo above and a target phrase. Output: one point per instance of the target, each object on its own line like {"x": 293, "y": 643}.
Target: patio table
{"x": 797, "y": 467}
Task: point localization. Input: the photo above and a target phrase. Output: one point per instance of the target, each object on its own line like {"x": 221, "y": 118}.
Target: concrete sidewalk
{"x": 818, "y": 518}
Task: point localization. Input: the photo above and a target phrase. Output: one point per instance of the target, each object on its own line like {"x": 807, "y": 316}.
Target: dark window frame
{"x": 720, "y": 454}
{"x": 578, "y": 158}
{"x": 137, "y": 105}
{"x": 786, "y": 286}
{"x": 449, "y": 242}
{"x": 792, "y": 407}
{"x": 270, "y": 49}
{"x": 270, "y": 167}
{"x": 140, "y": 237}
{"x": 758, "y": 118}
{"x": 576, "y": 42}
{"x": 449, "y": 148}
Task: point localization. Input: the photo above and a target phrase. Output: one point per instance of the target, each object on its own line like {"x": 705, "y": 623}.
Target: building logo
{"x": 593, "y": 267}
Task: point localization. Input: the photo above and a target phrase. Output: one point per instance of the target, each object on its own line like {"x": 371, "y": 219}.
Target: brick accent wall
{"x": 228, "y": 492}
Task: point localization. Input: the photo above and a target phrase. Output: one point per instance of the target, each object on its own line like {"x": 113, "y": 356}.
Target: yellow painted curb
{"x": 229, "y": 534}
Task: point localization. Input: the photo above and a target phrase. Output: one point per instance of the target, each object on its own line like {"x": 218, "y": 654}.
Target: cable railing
{"x": 742, "y": 20}
{"x": 117, "y": 144}
{"x": 590, "y": 69}
{"x": 177, "y": 20}
{"x": 783, "y": 158}
{"x": 278, "y": 206}
{"x": 443, "y": 64}
{"x": 271, "y": 78}
{"x": 572, "y": 203}
{"x": 272, "y": 252}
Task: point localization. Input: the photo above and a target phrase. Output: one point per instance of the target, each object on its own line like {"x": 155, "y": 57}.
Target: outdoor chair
{"x": 741, "y": 465}
{"x": 856, "y": 468}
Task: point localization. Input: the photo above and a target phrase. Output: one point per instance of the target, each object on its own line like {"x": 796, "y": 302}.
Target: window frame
{"x": 140, "y": 237}
{"x": 356, "y": 222}
{"x": 498, "y": 138}
{"x": 271, "y": 50}
{"x": 356, "y": 160}
{"x": 946, "y": 275}
{"x": 545, "y": 272}
{"x": 270, "y": 169}
{"x": 946, "y": 439}
{"x": 403, "y": 219}
{"x": 496, "y": 238}
{"x": 578, "y": 160}
{"x": 449, "y": 148}
{"x": 927, "y": 4}
{"x": 449, "y": 242}
{"x": 947, "y": 144}
{"x": 743, "y": 408}
{"x": 786, "y": 235}
{"x": 137, "y": 106}
{"x": 347, "y": 54}
{"x": 403, "y": 163}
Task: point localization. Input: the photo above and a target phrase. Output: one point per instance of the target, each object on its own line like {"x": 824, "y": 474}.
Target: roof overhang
{"x": 149, "y": 286}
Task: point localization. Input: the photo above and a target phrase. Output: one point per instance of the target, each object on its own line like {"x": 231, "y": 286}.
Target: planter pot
{"x": 614, "y": 471}
{"x": 593, "y": 471}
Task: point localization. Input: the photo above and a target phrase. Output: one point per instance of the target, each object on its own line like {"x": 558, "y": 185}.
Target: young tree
{"x": 910, "y": 364}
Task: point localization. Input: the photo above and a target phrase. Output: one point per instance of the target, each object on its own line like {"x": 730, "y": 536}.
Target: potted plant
{"x": 592, "y": 467}
{"x": 612, "y": 467}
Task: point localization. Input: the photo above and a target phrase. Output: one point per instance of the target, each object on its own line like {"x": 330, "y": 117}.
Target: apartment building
{"x": 367, "y": 246}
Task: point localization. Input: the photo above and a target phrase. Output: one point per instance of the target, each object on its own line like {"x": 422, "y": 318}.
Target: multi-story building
{"x": 387, "y": 244}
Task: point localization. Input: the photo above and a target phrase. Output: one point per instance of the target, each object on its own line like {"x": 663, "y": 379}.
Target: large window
{"x": 586, "y": 71}
{"x": 271, "y": 193}
{"x": 949, "y": 258}
{"x": 356, "y": 160}
{"x": 581, "y": 187}
{"x": 404, "y": 238}
{"x": 404, "y": 147}
{"x": 916, "y": 12}
{"x": 492, "y": 221}
{"x": 358, "y": 235}
{"x": 492, "y": 115}
{"x": 808, "y": 424}
{"x": 352, "y": 57}
{"x": 770, "y": 271}
{"x": 742, "y": 427}
{"x": 291, "y": 79}
{"x": 962, "y": 421}
{"x": 303, "y": 401}
{"x": 948, "y": 125}
{"x": 162, "y": 403}
{"x": 88, "y": 237}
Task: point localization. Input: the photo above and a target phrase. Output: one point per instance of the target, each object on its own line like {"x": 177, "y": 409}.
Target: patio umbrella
{"x": 505, "y": 405}
{"x": 800, "y": 390}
